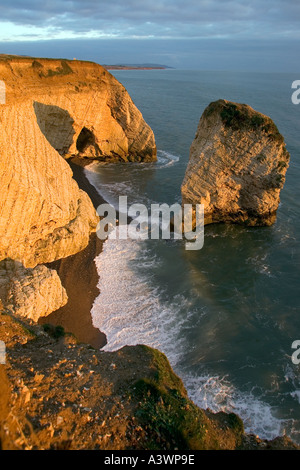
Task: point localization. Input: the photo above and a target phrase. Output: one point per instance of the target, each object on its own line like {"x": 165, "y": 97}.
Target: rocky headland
{"x": 58, "y": 392}
{"x": 237, "y": 166}
{"x": 54, "y": 110}
{"x": 135, "y": 67}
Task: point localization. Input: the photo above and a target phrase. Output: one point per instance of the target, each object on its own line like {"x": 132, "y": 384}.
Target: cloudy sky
{"x": 258, "y": 35}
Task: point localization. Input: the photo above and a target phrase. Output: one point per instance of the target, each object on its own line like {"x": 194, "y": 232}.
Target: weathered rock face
{"x": 43, "y": 214}
{"x": 126, "y": 399}
{"x": 237, "y": 165}
{"x": 30, "y": 293}
{"x": 56, "y": 108}
{"x": 80, "y": 108}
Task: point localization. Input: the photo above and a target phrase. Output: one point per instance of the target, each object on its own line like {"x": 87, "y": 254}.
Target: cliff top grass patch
{"x": 170, "y": 417}
{"x": 242, "y": 117}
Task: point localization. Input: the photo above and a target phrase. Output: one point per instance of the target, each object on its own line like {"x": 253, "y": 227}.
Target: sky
{"x": 256, "y": 35}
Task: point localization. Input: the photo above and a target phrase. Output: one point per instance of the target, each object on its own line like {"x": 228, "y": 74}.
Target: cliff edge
{"x": 60, "y": 395}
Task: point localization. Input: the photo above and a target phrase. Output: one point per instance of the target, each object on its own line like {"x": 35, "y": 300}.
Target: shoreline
{"x": 79, "y": 276}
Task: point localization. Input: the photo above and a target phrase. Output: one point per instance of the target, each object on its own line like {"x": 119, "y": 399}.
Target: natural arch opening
{"x": 85, "y": 139}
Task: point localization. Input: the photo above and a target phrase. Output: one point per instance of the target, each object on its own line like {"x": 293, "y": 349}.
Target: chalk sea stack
{"x": 237, "y": 166}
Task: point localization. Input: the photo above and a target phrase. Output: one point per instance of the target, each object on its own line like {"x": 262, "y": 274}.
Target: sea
{"x": 227, "y": 315}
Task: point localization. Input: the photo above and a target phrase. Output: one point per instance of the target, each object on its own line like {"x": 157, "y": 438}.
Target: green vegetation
{"x": 282, "y": 164}
{"x": 279, "y": 181}
{"x": 162, "y": 371}
{"x": 65, "y": 69}
{"x": 241, "y": 117}
{"x": 168, "y": 414}
{"x": 54, "y": 331}
{"x": 171, "y": 416}
{"x": 256, "y": 121}
{"x": 261, "y": 158}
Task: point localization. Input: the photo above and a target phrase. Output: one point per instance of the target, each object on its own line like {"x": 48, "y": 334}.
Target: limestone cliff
{"x": 80, "y": 108}
{"x": 237, "y": 165}
{"x": 58, "y": 107}
{"x": 55, "y": 109}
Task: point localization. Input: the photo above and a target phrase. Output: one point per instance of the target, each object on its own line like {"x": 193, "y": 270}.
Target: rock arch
{"x": 86, "y": 143}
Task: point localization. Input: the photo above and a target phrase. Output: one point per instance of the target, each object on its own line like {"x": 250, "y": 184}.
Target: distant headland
{"x": 136, "y": 67}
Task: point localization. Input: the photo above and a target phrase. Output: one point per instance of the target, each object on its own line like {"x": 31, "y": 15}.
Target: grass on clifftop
{"x": 242, "y": 117}
{"x": 167, "y": 412}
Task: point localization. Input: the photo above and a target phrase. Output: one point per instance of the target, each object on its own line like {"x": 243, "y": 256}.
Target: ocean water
{"x": 226, "y": 315}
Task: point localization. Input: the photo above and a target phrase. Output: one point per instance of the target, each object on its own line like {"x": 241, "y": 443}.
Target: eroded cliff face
{"x": 56, "y": 109}
{"x": 80, "y": 108}
{"x": 237, "y": 165}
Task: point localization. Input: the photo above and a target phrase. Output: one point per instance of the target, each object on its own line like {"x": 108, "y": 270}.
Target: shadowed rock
{"x": 56, "y": 124}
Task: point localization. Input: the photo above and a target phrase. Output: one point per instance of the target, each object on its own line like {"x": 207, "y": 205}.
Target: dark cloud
{"x": 160, "y": 18}
{"x": 203, "y": 34}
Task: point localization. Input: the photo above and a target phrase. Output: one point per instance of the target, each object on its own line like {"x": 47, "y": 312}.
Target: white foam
{"x": 110, "y": 191}
{"x": 218, "y": 394}
{"x": 166, "y": 159}
{"x": 129, "y": 311}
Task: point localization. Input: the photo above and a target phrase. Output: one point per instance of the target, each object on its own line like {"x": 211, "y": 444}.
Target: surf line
{"x": 162, "y": 221}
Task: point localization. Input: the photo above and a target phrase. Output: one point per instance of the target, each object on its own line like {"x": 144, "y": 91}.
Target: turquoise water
{"x": 226, "y": 315}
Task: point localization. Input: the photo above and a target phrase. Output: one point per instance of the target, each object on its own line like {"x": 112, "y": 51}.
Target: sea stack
{"x": 237, "y": 166}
